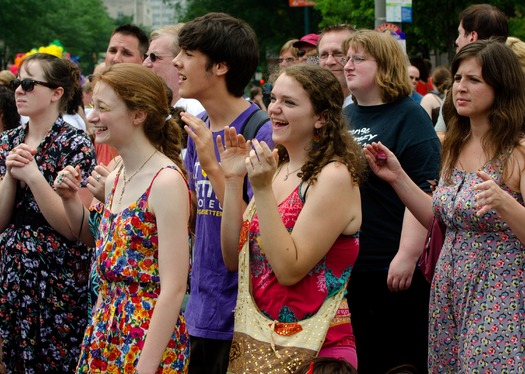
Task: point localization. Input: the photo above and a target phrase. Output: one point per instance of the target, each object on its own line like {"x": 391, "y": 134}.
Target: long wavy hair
{"x": 392, "y": 63}
{"x": 500, "y": 69}
{"x": 141, "y": 89}
{"x": 332, "y": 140}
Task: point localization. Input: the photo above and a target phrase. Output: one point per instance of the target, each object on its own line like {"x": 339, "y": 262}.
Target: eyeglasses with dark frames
{"x": 301, "y": 52}
{"x": 155, "y": 56}
{"x": 28, "y": 85}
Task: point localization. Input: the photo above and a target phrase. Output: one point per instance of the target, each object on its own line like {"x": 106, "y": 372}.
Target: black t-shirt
{"x": 406, "y": 129}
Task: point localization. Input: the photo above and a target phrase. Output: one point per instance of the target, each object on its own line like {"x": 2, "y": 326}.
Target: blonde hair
{"x": 518, "y": 47}
{"x": 392, "y": 63}
{"x": 288, "y": 46}
{"x": 169, "y": 30}
{"x": 6, "y": 77}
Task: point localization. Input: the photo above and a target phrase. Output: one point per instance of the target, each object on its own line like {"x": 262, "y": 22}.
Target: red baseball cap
{"x": 309, "y": 39}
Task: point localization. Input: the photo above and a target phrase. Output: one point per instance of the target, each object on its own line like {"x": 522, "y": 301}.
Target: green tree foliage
{"x": 358, "y": 13}
{"x": 83, "y": 27}
{"x": 274, "y": 21}
{"x": 434, "y": 23}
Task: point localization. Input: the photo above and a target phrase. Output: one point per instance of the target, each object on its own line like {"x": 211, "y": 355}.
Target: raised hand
{"x": 21, "y": 164}
{"x": 96, "y": 182}
{"x": 232, "y": 153}
{"x": 383, "y": 162}
{"x": 261, "y": 164}
{"x": 67, "y": 182}
{"x": 490, "y": 195}
{"x": 203, "y": 139}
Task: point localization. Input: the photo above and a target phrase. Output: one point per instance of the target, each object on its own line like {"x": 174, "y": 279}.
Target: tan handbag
{"x": 263, "y": 346}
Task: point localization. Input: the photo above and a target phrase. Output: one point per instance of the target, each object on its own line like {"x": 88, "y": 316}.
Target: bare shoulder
{"x": 516, "y": 167}
{"x": 169, "y": 178}
{"x": 169, "y": 190}
{"x": 334, "y": 176}
{"x": 335, "y": 169}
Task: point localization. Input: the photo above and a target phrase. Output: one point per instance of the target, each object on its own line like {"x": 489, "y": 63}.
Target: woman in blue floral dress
{"x": 477, "y": 303}
{"x": 142, "y": 242}
{"x": 43, "y": 288}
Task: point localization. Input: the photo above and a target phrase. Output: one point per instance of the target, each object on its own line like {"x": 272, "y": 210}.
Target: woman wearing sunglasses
{"x": 43, "y": 288}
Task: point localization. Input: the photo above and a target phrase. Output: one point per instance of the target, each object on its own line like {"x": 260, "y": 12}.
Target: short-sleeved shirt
{"x": 406, "y": 129}
{"x": 209, "y": 313}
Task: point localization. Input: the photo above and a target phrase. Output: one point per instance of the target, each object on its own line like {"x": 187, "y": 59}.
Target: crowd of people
{"x": 157, "y": 220}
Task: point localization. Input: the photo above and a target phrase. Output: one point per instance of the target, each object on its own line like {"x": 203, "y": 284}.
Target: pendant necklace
{"x": 126, "y": 181}
{"x": 291, "y": 172}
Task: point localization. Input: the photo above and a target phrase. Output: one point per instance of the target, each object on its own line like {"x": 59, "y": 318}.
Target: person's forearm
{"x": 415, "y": 199}
{"x": 412, "y": 239}
{"x": 513, "y": 213}
{"x": 216, "y": 178}
{"x": 231, "y": 223}
{"x": 279, "y": 247}
{"x": 50, "y": 204}
{"x": 7, "y": 200}
{"x": 161, "y": 327}
{"x": 78, "y": 220}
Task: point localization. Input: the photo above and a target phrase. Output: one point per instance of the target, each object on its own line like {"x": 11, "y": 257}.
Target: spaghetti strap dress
{"x": 477, "y": 303}
{"x": 128, "y": 269}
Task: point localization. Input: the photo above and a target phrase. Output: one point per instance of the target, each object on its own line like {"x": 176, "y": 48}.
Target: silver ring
{"x": 97, "y": 177}
{"x": 60, "y": 178}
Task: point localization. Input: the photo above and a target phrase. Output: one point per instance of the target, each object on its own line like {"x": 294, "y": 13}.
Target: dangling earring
{"x": 315, "y": 140}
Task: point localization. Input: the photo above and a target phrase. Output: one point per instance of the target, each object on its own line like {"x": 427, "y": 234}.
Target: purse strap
{"x": 320, "y": 320}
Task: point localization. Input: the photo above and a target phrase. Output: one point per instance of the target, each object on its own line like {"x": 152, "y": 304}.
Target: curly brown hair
{"x": 334, "y": 141}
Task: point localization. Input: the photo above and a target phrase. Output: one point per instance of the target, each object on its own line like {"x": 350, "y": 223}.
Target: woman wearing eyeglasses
{"x": 288, "y": 54}
{"x": 43, "y": 285}
{"x": 388, "y": 297}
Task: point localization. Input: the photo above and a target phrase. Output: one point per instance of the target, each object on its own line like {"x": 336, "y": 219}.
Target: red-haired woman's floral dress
{"x": 129, "y": 285}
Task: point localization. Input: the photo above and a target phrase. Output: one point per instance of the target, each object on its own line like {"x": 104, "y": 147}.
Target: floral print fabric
{"x": 477, "y": 309}
{"x": 43, "y": 311}
{"x": 290, "y": 303}
{"x": 128, "y": 271}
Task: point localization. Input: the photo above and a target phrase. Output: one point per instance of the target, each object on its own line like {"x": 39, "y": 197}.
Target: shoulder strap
{"x": 249, "y": 129}
{"x": 253, "y": 123}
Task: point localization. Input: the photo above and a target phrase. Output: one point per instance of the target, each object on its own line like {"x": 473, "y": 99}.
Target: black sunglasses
{"x": 301, "y": 52}
{"x": 29, "y": 84}
{"x": 155, "y": 56}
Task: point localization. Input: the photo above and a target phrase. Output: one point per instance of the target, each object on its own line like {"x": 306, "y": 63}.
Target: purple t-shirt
{"x": 209, "y": 313}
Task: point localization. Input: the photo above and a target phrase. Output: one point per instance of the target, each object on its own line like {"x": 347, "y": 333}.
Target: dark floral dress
{"x": 43, "y": 283}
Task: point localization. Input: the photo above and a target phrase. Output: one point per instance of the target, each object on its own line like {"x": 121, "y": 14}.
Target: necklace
{"x": 291, "y": 172}
{"x": 126, "y": 181}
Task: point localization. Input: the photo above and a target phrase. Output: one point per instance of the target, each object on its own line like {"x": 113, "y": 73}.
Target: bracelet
{"x": 81, "y": 222}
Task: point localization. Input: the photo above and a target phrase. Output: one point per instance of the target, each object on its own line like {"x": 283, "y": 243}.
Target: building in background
{"x": 149, "y": 13}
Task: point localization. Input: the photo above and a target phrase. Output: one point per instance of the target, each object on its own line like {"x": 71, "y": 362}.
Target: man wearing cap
{"x": 306, "y": 46}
